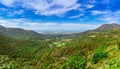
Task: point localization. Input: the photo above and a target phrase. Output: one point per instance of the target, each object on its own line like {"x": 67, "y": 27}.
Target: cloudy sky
{"x": 58, "y": 15}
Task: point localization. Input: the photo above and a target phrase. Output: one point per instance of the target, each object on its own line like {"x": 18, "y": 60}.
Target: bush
{"x": 99, "y": 54}
{"x": 118, "y": 43}
{"x": 75, "y": 62}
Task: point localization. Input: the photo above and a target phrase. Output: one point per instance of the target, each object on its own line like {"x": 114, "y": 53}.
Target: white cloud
{"x": 96, "y": 12}
{"x": 90, "y": 6}
{"x": 76, "y": 16}
{"x": 107, "y": 16}
{"x": 12, "y": 13}
{"x": 39, "y": 26}
{"x": 53, "y": 7}
{"x": 8, "y": 2}
{"x": 49, "y": 7}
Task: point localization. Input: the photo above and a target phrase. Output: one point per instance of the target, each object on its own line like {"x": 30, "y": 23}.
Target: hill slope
{"x": 20, "y": 33}
{"x": 14, "y": 53}
{"x": 102, "y": 28}
{"x": 91, "y": 51}
{"x": 107, "y": 27}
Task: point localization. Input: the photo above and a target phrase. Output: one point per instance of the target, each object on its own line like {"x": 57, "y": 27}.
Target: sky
{"x": 58, "y": 15}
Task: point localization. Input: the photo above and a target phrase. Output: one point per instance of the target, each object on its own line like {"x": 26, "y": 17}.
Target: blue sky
{"x": 58, "y": 15}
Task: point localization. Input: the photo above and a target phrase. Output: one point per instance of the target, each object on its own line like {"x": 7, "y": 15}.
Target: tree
{"x": 99, "y": 54}
{"x": 75, "y": 62}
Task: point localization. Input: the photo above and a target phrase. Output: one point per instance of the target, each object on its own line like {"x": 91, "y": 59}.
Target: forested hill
{"x": 20, "y": 33}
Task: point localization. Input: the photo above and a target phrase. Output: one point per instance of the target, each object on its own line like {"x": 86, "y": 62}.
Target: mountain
{"x": 20, "y": 33}
{"x": 107, "y": 27}
{"x": 102, "y": 28}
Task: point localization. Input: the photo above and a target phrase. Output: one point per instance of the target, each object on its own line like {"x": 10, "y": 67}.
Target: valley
{"x": 94, "y": 49}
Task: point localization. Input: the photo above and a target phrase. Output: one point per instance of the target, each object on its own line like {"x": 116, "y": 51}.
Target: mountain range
{"x": 19, "y": 33}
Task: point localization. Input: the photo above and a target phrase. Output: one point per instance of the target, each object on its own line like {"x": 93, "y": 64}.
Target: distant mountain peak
{"x": 113, "y": 24}
{"x": 107, "y": 27}
{"x": 1, "y": 27}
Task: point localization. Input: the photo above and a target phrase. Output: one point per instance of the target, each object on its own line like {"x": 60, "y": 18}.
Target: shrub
{"x": 118, "y": 43}
{"x": 99, "y": 54}
{"x": 75, "y": 62}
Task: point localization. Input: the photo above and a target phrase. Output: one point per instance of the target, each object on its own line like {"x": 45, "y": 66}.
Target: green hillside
{"x": 18, "y": 52}
{"x": 93, "y": 50}
{"x": 21, "y": 33}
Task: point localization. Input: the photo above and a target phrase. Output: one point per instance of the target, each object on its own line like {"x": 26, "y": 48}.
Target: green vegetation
{"x": 99, "y": 54}
{"x": 18, "y": 33}
{"x": 94, "y": 50}
{"x": 75, "y": 62}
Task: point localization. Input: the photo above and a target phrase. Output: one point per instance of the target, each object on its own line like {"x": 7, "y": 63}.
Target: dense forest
{"x": 94, "y": 49}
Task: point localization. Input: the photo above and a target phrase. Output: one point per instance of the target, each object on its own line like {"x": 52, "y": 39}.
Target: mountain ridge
{"x": 102, "y": 28}
{"x": 19, "y": 33}
{"x": 107, "y": 27}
